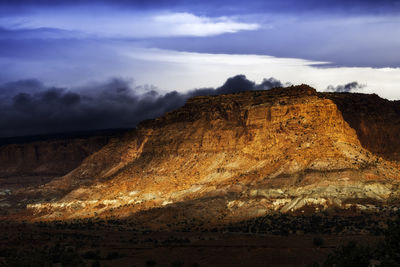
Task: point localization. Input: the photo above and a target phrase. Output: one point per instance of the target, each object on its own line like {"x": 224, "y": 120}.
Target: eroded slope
{"x": 236, "y": 156}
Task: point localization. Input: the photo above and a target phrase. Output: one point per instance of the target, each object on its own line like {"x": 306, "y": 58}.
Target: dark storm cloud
{"x": 28, "y": 107}
{"x": 28, "y": 85}
{"x": 349, "y": 87}
{"x": 269, "y": 83}
{"x": 232, "y": 85}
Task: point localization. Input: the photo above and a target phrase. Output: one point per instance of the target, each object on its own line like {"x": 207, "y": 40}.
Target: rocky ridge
{"x": 28, "y": 162}
{"x": 53, "y": 157}
{"x": 232, "y": 157}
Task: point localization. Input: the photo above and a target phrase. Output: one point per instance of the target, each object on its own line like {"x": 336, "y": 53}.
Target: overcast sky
{"x": 180, "y": 45}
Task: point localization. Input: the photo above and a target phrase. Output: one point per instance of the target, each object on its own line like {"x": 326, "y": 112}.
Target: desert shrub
{"x": 386, "y": 253}
{"x": 150, "y": 263}
{"x": 177, "y": 264}
{"x": 318, "y": 241}
{"x": 113, "y": 255}
{"x": 71, "y": 258}
{"x": 350, "y": 255}
{"x": 92, "y": 255}
{"x": 30, "y": 258}
{"x": 392, "y": 238}
{"x": 389, "y": 252}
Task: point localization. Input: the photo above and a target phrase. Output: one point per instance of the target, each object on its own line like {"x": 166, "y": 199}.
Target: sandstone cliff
{"x": 51, "y": 157}
{"x": 376, "y": 121}
{"x": 231, "y": 157}
{"x": 28, "y": 162}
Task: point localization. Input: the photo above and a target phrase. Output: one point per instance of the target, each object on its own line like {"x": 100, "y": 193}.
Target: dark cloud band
{"x": 27, "y": 107}
{"x": 349, "y": 87}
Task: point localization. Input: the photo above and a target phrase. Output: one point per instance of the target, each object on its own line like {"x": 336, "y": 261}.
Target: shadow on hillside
{"x": 375, "y": 120}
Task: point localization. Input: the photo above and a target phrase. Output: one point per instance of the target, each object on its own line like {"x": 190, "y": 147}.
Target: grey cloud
{"x": 28, "y": 85}
{"x": 270, "y": 83}
{"x": 349, "y": 87}
{"x": 30, "y": 108}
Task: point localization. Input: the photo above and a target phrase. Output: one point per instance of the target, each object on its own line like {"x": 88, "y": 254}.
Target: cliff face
{"x": 48, "y": 158}
{"x": 231, "y": 157}
{"x": 376, "y": 121}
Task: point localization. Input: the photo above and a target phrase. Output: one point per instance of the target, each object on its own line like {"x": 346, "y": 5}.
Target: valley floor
{"x": 124, "y": 243}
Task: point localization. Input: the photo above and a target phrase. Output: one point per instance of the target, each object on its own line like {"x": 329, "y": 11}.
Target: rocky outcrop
{"x": 29, "y": 162}
{"x": 233, "y": 157}
{"x": 376, "y": 121}
{"x": 52, "y": 157}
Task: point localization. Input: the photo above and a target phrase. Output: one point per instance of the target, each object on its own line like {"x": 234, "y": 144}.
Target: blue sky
{"x": 180, "y": 45}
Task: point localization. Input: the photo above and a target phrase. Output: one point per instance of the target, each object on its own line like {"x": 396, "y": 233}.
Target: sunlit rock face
{"x": 232, "y": 157}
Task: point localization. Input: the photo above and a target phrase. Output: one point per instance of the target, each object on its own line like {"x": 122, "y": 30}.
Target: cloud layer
{"x": 27, "y": 107}
{"x": 110, "y": 24}
{"x": 218, "y": 6}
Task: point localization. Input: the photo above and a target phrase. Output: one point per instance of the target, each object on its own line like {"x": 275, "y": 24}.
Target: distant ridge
{"x": 57, "y": 136}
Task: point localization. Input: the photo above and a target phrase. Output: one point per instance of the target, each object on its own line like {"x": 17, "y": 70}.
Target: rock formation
{"x": 375, "y": 120}
{"x": 27, "y": 162}
{"x": 51, "y": 157}
{"x": 231, "y": 157}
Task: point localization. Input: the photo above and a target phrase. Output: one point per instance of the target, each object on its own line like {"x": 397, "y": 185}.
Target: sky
{"x": 81, "y": 65}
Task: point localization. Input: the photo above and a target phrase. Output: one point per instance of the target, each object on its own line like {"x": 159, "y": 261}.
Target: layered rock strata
{"x": 237, "y": 156}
